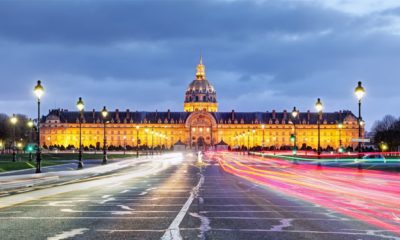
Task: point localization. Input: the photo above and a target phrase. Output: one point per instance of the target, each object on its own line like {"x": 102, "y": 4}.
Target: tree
{"x": 387, "y": 131}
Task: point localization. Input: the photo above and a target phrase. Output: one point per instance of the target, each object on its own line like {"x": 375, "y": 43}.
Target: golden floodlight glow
{"x": 38, "y": 90}
{"x": 340, "y": 125}
{"x": 137, "y": 127}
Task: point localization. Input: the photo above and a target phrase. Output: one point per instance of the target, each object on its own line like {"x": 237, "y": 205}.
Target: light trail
{"x": 370, "y": 196}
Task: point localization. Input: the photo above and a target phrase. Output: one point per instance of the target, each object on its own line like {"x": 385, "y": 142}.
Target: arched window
{"x": 204, "y": 98}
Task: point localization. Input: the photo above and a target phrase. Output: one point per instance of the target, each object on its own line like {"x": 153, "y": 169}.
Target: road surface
{"x": 178, "y": 200}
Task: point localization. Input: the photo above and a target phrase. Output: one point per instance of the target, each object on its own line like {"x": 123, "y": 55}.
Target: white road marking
{"x": 125, "y": 191}
{"x": 260, "y": 211}
{"x": 107, "y": 200}
{"x": 142, "y": 193}
{"x": 128, "y": 230}
{"x": 172, "y": 233}
{"x": 125, "y": 207}
{"x": 205, "y": 225}
{"x": 286, "y": 222}
{"x": 72, "y": 217}
{"x": 68, "y": 234}
{"x": 113, "y": 212}
{"x": 105, "y": 196}
{"x": 278, "y": 218}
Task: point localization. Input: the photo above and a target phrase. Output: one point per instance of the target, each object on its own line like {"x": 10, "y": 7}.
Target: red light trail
{"x": 370, "y": 196}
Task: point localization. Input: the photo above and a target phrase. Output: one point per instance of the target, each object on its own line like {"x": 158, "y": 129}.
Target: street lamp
{"x": 319, "y": 107}
{"x": 104, "y": 113}
{"x": 383, "y": 146}
{"x": 340, "y": 126}
{"x": 137, "y": 140}
{"x": 39, "y": 91}
{"x": 263, "y": 139}
{"x": 124, "y": 145}
{"x": 248, "y": 141}
{"x": 30, "y": 125}
{"x": 295, "y": 113}
{"x": 359, "y": 92}
{"x": 146, "y": 130}
{"x": 14, "y": 121}
{"x": 252, "y": 136}
{"x": 80, "y": 105}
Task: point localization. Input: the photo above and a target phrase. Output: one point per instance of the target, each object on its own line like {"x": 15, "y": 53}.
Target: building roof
{"x": 170, "y": 117}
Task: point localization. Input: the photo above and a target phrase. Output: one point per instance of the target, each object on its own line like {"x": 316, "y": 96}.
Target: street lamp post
{"x": 248, "y": 141}
{"x": 137, "y": 140}
{"x": 359, "y": 92}
{"x": 30, "y": 125}
{"x": 340, "y": 126}
{"x": 104, "y": 113}
{"x": 319, "y": 107}
{"x": 14, "y": 121}
{"x": 146, "y": 130}
{"x": 263, "y": 138}
{"x": 39, "y": 91}
{"x": 252, "y": 138}
{"x": 124, "y": 147}
{"x": 295, "y": 113}
{"x": 80, "y": 105}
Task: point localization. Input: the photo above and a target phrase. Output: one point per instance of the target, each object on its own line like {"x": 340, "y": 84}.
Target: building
{"x": 200, "y": 125}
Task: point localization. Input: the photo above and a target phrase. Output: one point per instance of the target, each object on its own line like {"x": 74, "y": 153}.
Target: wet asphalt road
{"x": 224, "y": 207}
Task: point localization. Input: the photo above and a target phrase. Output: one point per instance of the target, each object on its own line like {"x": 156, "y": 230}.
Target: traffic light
{"x": 341, "y": 149}
{"x": 30, "y": 147}
{"x": 292, "y": 137}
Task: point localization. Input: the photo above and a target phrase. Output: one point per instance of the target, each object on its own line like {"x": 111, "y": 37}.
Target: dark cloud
{"x": 142, "y": 54}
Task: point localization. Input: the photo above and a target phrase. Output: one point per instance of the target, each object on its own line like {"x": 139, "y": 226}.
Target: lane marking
{"x": 72, "y": 217}
{"x": 173, "y": 233}
{"x": 68, "y": 234}
{"x": 113, "y": 212}
{"x": 277, "y": 218}
{"x": 362, "y": 232}
{"x": 284, "y": 223}
{"x": 129, "y": 230}
{"x": 205, "y": 225}
{"x": 107, "y": 200}
{"x": 125, "y": 207}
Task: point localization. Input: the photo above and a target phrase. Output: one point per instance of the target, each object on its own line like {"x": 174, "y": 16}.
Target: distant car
{"x": 375, "y": 158}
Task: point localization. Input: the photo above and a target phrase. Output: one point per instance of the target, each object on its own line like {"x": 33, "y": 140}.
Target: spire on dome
{"x": 201, "y": 70}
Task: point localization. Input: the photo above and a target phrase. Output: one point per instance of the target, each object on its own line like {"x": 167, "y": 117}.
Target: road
{"x": 176, "y": 200}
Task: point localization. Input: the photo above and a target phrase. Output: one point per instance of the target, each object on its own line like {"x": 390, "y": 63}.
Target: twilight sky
{"x": 259, "y": 54}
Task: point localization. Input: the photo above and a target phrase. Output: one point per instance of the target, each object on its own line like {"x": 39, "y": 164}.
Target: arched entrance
{"x": 200, "y": 127}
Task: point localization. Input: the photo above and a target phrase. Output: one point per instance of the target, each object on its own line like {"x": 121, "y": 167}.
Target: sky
{"x": 260, "y": 55}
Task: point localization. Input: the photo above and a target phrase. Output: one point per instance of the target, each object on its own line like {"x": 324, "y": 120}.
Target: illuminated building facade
{"x": 200, "y": 125}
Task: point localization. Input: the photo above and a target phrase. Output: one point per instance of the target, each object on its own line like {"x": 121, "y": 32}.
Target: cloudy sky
{"x": 259, "y": 54}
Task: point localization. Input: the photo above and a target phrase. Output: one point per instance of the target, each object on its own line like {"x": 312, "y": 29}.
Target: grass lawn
{"x": 48, "y": 159}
